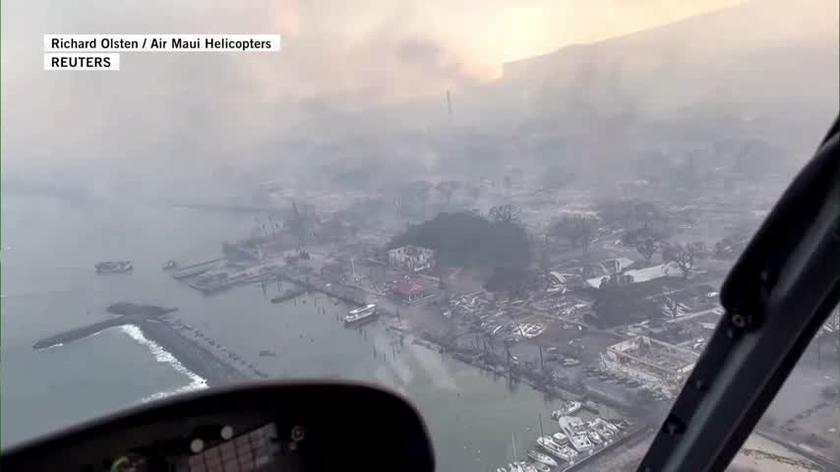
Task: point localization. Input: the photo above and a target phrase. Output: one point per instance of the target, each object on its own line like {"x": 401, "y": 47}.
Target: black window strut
{"x": 776, "y": 298}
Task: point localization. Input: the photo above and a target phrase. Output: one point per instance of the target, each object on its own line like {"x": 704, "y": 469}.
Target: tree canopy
{"x": 579, "y": 230}
{"x": 684, "y": 255}
{"x": 466, "y": 239}
{"x": 646, "y": 241}
{"x": 512, "y": 281}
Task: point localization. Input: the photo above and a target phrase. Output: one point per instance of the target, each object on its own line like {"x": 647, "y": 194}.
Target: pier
{"x": 307, "y": 284}
{"x": 196, "y": 269}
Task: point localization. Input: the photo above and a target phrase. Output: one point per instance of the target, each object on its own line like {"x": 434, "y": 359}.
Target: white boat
{"x": 567, "y": 408}
{"x": 514, "y": 467}
{"x": 540, "y": 457}
{"x": 170, "y": 265}
{"x": 559, "y": 438}
{"x": 552, "y": 447}
{"x": 608, "y": 425}
{"x": 594, "y": 437}
{"x": 360, "y": 315}
{"x": 605, "y": 429}
{"x": 526, "y": 467}
{"x": 567, "y": 453}
{"x": 541, "y": 467}
{"x": 572, "y": 423}
{"x": 580, "y": 442}
{"x": 604, "y": 433}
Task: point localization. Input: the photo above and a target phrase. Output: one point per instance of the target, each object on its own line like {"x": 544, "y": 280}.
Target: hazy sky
{"x": 181, "y": 111}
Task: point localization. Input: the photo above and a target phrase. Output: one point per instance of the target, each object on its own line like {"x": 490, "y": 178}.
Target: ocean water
{"x": 48, "y": 284}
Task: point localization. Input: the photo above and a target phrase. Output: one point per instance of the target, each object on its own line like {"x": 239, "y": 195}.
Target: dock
{"x": 196, "y": 269}
{"x": 331, "y": 291}
{"x": 288, "y": 295}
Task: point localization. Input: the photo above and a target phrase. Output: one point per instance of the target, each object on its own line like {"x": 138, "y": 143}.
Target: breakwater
{"x": 128, "y": 314}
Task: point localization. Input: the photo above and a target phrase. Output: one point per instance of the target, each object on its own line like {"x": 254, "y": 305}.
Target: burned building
{"x": 412, "y": 258}
{"x": 659, "y": 366}
{"x": 409, "y": 291}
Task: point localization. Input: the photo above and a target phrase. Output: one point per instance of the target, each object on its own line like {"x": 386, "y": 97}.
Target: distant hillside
{"x": 755, "y": 52}
{"x": 766, "y": 70}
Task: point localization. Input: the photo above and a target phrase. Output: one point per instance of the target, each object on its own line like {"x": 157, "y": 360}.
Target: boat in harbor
{"x": 540, "y": 457}
{"x": 580, "y": 442}
{"x": 541, "y": 467}
{"x": 559, "y": 438}
{"x": 594, "y": 437}
{"x": 361, "y": 315}
{"x": 604, "y": 428}
{"x": 527, "y": 467}
{"x": 559, "y": 451}
{"x": 113, "y": 267}
{"x": 606, "y": 425}
{"x": 547, "y": 443}
{"x": 170, "y": 265}
{"x": 567, "y": 453}
{"x": 566, "y": 409}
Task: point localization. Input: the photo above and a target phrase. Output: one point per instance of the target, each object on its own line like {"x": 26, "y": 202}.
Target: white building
{"x": 412, "y": 258}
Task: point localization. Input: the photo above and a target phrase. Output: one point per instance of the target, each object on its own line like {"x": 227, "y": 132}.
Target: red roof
{"x": 407, "y": 288}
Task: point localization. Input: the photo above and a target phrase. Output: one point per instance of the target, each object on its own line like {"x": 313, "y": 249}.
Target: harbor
{"x": 267, "y": 307}
{"x": 600, "y": 435}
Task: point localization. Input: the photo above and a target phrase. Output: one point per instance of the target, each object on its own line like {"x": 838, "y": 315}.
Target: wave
{"x": 197, "y": 382}
{"x": 51, "y": 347}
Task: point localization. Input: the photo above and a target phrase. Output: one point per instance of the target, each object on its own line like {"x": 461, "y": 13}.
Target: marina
{"x": 564, "y": 443}
{"x": 576, "y": 434}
